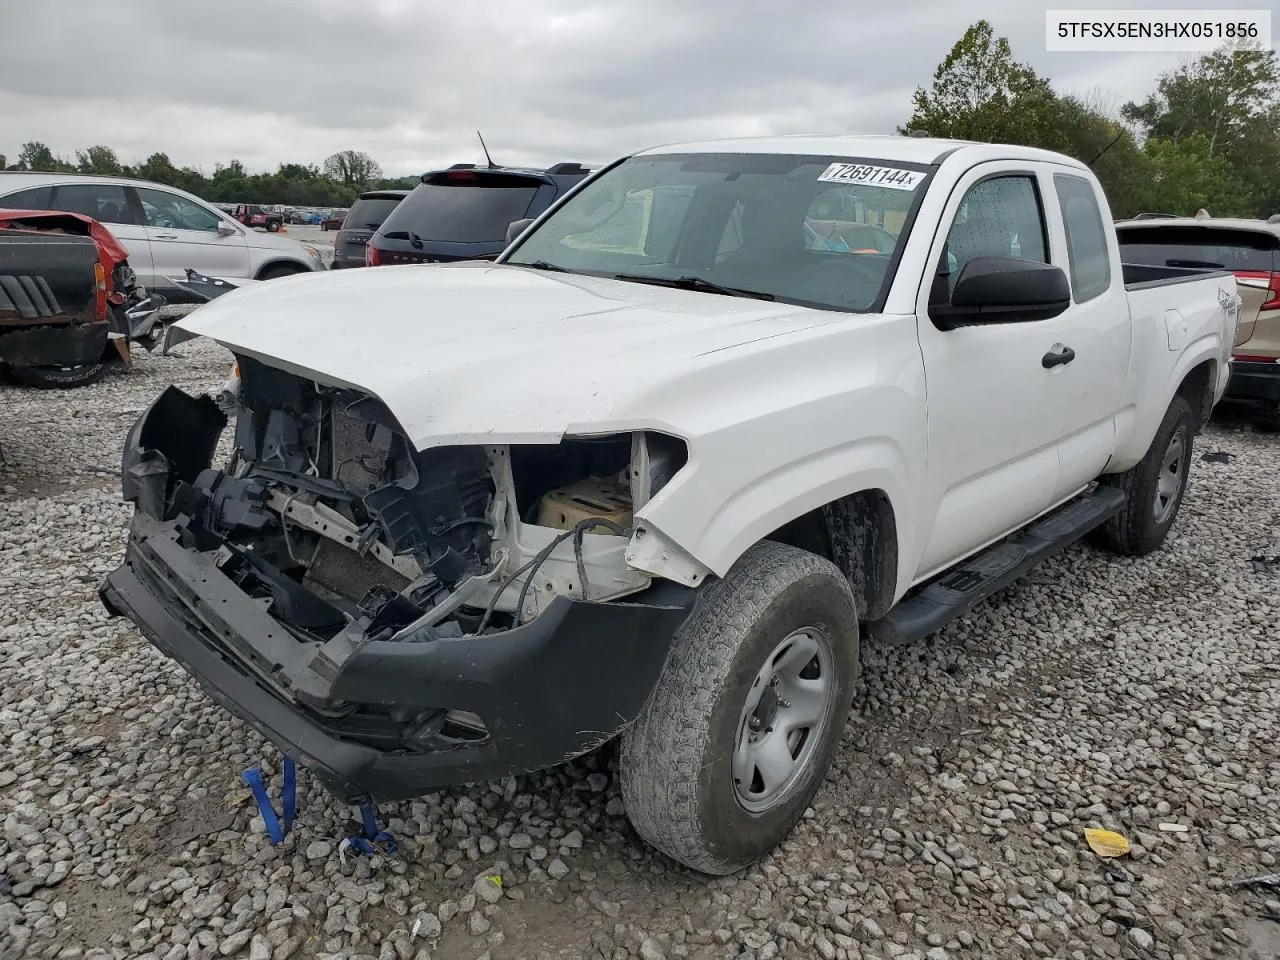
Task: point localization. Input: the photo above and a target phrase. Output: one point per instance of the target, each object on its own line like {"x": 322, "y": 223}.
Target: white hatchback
{"x": 164, "y": 229}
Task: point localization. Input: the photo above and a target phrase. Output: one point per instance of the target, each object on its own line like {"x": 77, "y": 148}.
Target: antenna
{"x": 486, "y": 151}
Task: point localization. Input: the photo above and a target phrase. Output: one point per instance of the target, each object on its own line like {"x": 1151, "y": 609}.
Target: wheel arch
{"x": 295, "y": 266}
{"x": 859, "y": 534}
{"x": 1195, "y": 377}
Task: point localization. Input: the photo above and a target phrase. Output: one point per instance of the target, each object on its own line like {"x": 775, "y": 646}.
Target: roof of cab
{"x": 904, "y": 149}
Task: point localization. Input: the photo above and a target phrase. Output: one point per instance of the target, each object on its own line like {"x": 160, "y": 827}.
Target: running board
{"x": 963, "y": 587}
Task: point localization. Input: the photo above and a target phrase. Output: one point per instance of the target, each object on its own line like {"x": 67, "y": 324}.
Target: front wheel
{"x": 1153, "y": 487}
{"x": 273, "y": 226}
{"x": 742, "y": 726}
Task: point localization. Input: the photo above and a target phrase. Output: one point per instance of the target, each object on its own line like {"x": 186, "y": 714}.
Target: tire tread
{"x": 661, "y": 750}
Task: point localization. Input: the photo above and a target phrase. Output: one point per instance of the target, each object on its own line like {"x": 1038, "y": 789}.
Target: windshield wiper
{"x": 694, "y": 283}
{"x": 414, "y": 240}
{"x": 543, "y": 265}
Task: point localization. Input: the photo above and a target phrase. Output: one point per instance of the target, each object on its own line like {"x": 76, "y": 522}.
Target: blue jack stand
{"x": 371, "y": 838}
{"x": 289, "y": 800}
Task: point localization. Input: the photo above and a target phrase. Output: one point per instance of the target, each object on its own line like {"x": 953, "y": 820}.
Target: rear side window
{"x": 370, "y": 212}
{"x": 106, "y": 202}
{"x": 1086, "y": 237}
{"x": 462, "y": 207}
{"x": 36, "y": 198}
{"x": 1220, "y": 248}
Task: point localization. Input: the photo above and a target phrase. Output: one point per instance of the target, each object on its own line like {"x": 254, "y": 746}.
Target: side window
{"x": 106, "y": 202}
{"x": 36, "y": 198}
{"x": 168, "y": 210}
{"x": 999, "y": 217}
{"x": 1087, "y": 253}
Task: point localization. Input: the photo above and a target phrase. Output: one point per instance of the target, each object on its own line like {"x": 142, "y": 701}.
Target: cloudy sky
{"x": 408, "y": 81}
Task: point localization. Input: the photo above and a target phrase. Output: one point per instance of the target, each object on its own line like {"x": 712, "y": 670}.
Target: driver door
{"x": 994, "y": 417}
{"x": 185, "y": 234}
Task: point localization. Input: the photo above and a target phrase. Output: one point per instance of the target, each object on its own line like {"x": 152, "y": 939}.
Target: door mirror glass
{"x": 1006, "y": 290}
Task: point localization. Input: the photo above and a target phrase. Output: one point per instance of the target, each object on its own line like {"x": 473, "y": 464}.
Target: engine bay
{"x": 326, "y": 512}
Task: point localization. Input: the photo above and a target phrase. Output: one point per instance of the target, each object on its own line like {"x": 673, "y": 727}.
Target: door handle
{"x": 1056, "y": 358}
{"x": 165, "y": 236}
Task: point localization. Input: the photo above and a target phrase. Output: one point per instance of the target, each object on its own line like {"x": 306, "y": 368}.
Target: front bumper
{"x": 1254, "y": 380}
{"x": 547, "y": 691}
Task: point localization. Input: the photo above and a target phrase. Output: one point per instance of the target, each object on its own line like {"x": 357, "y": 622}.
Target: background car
{"x": 164, "y": 229}
{"x": 333, "y": 220}
{"x": 355, "y": 228}
{"x": 1251, "y": 250}
{"x": 462, "y": 213}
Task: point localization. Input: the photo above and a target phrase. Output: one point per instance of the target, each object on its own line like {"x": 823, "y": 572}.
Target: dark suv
{"x": 463, "y": 213}
{"x": 364, "y": 217}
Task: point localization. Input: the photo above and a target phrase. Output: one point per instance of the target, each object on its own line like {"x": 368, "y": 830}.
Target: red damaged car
{"x": 70, "y": 303}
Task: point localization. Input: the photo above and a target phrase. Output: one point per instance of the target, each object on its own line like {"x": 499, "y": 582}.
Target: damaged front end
{"x": 398, "y": 620}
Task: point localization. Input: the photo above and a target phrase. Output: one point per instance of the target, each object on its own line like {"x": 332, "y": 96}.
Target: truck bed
{"x": 1144, "y": 276}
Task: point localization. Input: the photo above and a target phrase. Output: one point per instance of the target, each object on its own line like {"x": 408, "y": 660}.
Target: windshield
{"x": 1199, "y": 247}
{"x": 820, "y": 231}
{"x": 369, "y": 212}
{"x": 462, "y": 207}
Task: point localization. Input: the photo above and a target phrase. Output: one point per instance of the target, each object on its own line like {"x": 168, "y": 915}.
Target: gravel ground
{"x": 1098, "y": 692}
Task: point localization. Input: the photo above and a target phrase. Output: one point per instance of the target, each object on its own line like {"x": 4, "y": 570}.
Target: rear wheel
{"x": 742, "y": 726}
{"x": 60, "y": 378}
{"x": 1153, "y": 488}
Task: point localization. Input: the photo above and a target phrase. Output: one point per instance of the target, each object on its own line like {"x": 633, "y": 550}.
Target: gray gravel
{"x": 1099, "y": 692}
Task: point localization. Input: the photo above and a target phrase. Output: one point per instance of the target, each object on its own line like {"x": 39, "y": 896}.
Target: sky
{"x": 409, "y": 81}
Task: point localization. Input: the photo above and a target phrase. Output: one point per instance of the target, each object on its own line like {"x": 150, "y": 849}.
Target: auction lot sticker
{"x": 861, "y": 173}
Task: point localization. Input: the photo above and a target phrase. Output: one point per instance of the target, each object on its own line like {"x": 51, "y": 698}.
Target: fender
{"x": 1136, "y": 425}
{"x": 757, "y": 508}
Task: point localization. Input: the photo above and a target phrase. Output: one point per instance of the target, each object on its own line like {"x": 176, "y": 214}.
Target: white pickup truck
{"x": 716, "y": 413}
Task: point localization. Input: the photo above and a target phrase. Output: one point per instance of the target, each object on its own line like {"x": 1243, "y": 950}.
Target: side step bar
{"x": 961, "y": 588}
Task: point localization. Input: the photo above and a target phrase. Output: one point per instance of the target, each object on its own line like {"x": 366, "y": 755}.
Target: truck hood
{"x": 489, "y": 353}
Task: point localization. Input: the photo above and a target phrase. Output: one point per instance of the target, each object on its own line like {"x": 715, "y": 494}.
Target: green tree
{"x": 979, "y": 92}
{"x": 37, "y": 156}
{"x": 1231, "y": 99}
{"x": 97, "y": 159}
{"x": 1187, "y": 175}
{"x": 353, "y": 168}
{"x": 157, "y": 168}
{"x": 1218, "y": 96}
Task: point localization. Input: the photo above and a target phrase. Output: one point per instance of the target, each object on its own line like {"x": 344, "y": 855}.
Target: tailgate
{"x": 47, "y": 278}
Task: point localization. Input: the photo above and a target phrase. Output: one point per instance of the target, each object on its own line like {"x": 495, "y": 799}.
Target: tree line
{"x": 1208, "y": 136}
{"x": 336, "y": 183}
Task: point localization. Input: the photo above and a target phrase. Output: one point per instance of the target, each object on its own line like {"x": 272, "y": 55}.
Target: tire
{"x": 273, "y": 226}
{"x": 60, "y": 378}
{"x": 1143, "y": 522}
{"x": 678, "y": 766}
{"x": 280, "y": 270}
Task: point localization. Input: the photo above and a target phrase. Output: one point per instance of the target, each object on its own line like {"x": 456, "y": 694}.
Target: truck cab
{"x": 716, "y": 413}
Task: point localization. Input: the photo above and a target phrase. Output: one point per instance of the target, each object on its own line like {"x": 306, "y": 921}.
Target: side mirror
{"x": 1005, "y": 290}
{"x": 517, "y": 227}
{"x": 225, "y": 229}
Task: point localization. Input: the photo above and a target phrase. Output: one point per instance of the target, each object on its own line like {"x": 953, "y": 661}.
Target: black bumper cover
{"x": 1252, "y": 380}
{"x": 72, "y": 345}
{"x": 547, "y": 691}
